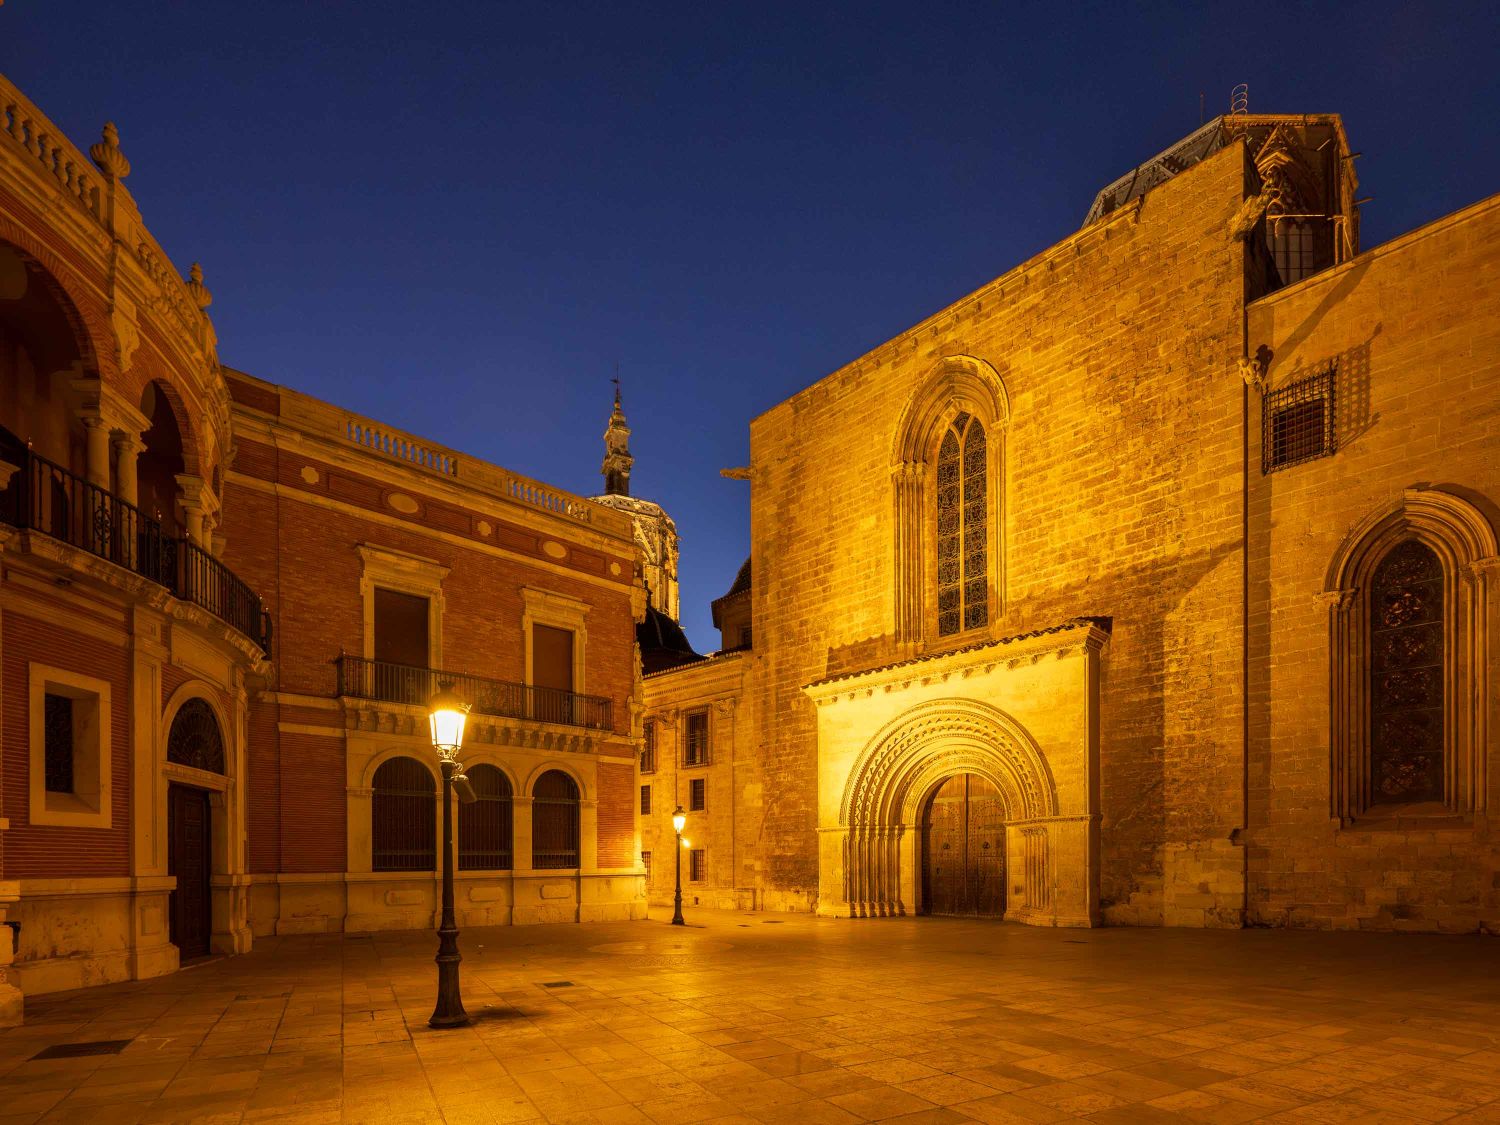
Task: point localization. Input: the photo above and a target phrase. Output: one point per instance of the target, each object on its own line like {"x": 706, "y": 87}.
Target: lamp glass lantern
{"x": 679, "y": 820}
{"x": 447, "y": 714}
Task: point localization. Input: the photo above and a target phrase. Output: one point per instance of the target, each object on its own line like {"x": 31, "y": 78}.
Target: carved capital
{"x": 1337, "y": 599}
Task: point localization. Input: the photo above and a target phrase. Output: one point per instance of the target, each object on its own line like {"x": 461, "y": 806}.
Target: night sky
{"x": 457, "y": 218}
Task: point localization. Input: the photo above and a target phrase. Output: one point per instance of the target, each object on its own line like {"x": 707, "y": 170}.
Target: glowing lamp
{"x": 679, "y": 820}
{"x": 447, "y": 712}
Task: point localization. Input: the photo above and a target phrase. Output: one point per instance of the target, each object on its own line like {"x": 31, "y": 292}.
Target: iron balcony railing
{"x": 404, "y": 683}
{"x": 45, "y": 497}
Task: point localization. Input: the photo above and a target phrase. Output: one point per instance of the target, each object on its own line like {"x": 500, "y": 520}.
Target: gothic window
{"x": 403, "y": 812}
{"x": 1406, "y": 677}
{"x": 1410, "y": 601}
{"x": 1292, "y": 247}
{"x": 962, "y": 528}
{"x": 554, "y": 821}
{"x": 195, "y": 739}
{"x": 484, "y": 825}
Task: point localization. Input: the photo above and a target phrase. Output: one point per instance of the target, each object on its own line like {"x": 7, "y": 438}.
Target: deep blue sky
{"x": 457, "y": 217}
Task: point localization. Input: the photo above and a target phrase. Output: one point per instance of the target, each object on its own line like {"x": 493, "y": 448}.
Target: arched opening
{"x": 161, "y": 463}
{"x": 554, "y": 821}
{"x": 194, "y": 740}
{"x": 403, "y": 817}
{"x": 40, "y": 350}
{"x": 484, "y": 826}
{"x": 963, "y": 848}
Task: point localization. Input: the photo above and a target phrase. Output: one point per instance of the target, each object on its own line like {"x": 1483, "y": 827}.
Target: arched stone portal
{"x": 890, "y": 738}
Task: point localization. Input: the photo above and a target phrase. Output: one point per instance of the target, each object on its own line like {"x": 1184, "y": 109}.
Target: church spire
{"x": 617, "y": 458}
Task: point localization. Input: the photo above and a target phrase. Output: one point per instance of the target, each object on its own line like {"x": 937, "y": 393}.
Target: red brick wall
{"x": 51, "y": 852}
{"x": 313, "y": 806}
{"x": 616, "y": 814}
{"x": 263, "y": 787}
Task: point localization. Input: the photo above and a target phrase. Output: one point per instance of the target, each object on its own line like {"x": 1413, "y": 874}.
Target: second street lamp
{"x": 447, "y": 712}
{"x": 679, "y": 820}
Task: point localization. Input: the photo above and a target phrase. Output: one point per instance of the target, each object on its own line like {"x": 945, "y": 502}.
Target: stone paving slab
{"x": 755, "y": 1019}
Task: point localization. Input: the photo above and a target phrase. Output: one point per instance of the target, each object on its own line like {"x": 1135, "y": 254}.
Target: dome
{"x": 662, "y": 642}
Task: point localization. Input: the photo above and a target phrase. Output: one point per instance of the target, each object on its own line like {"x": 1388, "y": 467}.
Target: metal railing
{"x": 43, "y": 496}
{"x": 360, "y": 678}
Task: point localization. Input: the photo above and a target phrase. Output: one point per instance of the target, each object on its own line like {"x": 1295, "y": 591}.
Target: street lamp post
{"x": 679, "y": 819}
{"x": 447, "y": 713}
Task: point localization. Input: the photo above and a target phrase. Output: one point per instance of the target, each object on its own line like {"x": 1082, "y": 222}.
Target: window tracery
{"x": 1406, "y": 677}
{"x": 962, "y": 527}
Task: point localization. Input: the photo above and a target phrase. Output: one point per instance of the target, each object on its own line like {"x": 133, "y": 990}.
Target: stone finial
{"x": 108, "y": 156}
{"x": 196, "y": 289}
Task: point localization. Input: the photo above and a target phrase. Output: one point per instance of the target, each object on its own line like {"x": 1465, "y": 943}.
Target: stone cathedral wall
{"x": 1414, "y": 329}
{"x": 1121, "y": 498}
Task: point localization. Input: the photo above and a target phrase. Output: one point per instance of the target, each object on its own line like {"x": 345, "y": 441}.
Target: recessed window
{"x": 695, "y": 739}
{"x": 1297, "y": 422}
{"x": 646, "y": 863}
{"x": 403, "y": 811}
{"x": 962, "y": 527}
{"x": 648, "y": 747}
{"x": 69, "y": 740}
{"x": 554, "y": 821}
{"x": 484, "y": 825}
{"x": 645, "y": 800}
{"x": 59, "y": 743}
{"x": 401, "y": 629}
{"x": 697, "y": 865}
{"x": 697, "y": 790}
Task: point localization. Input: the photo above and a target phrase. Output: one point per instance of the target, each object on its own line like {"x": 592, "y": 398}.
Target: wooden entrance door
{"x": 189, "y": 848}
{"x": 963, "y": 849}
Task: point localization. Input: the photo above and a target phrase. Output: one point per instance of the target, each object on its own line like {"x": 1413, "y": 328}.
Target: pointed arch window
{"x": 1409, "y": 597}
{"x": 962, "y": 527}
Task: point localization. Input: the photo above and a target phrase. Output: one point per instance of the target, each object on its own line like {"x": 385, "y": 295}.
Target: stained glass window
{"x": 1406, "y": 677}
{"x": 962, "y": 527}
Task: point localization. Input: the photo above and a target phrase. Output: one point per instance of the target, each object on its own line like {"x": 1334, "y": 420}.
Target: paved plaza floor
{"x": 765, "y": 1019}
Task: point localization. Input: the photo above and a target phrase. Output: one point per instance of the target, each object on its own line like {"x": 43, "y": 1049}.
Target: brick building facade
{"x": 1152, "y": 583}
{"x": 223, "y": 606}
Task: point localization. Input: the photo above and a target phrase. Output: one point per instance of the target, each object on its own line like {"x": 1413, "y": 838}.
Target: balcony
{"x": 43, "y": 496}
{"x": 402, "y": 683}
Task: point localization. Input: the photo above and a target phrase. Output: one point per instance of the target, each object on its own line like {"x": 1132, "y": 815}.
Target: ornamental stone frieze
{"x": 375, "y": 717}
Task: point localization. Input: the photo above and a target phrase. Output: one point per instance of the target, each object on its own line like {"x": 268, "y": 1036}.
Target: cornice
{"x": 1069, "y": 638}
{"x": 377, "y": 717}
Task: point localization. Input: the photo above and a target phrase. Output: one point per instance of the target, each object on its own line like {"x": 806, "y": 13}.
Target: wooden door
{"x": 189, "y": 848}
{"x": 963, "y": 849}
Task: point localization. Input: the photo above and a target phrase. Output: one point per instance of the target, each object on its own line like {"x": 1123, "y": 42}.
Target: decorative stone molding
{"x": 196, "y": 289}
{"x": 1464, "y": 543}
{"x": 377, "y": 717}
{"x": 107, "y": 155}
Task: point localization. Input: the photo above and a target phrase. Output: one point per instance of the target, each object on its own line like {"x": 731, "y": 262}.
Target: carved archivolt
{"x": 903, "y": 764}
{"x": 935, "y": 740}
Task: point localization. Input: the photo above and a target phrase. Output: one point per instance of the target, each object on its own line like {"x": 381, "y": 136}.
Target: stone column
{"x": 98, "y": 447}
{"x": 908, "y": 480}
{"x": 128, "y": 447}
{"x": 190, "y": 499}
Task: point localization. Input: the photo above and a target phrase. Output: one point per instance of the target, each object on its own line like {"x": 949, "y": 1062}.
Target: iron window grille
{"x": 646, "y": 863}
{"x": 554, "y": 821}
{"x": 403, "y": 817}
{"x": 697, "y": 865}
{"x": 645, "y": 800}
{"x": 485, "y": 825}
{"x": 695, "y": 744}
{"x": 648, "y": 747}
{"x": 697, "y": 795}
{"x": 1297, "y": 422}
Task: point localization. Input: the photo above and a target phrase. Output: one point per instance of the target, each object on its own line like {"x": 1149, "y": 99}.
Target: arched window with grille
{"x": 962, "y": 527}
{"x": 484, "y": 826}
{"x": 1406, "y": 676}
{"x": 554, "y": 821}
{"x": 403, "y": 817}
{"x": 195, "y": 739}
{"x": 1409, "y": 598}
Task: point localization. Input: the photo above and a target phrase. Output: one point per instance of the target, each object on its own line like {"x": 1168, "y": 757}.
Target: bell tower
{"x": 655, "y": 533}
{"x": 617, "y": 458}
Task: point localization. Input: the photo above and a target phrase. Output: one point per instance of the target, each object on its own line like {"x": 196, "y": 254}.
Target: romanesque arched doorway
{"x": 963, "y": 848}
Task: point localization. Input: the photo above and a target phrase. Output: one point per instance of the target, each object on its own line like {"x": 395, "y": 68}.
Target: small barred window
{"x": 1297, "y": 422}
